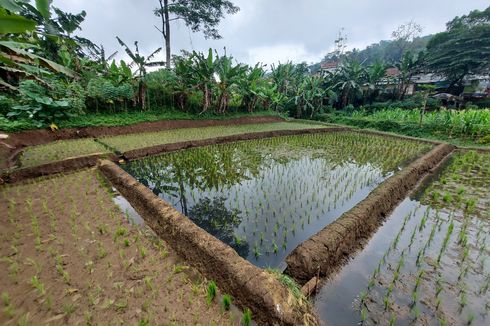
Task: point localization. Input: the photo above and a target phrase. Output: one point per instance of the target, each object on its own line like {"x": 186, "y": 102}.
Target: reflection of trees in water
{"x": 219, "y": 221}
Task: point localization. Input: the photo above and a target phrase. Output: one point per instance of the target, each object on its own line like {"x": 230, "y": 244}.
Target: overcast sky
{"x": 269, "y": 30}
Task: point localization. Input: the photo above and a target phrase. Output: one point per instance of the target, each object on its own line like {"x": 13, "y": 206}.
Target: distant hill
{"x": 385, "y": 50}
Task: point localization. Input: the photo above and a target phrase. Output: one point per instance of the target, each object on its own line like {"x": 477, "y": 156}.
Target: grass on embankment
{"x": 61, "y": 150}
{"x": 109, "y": 119}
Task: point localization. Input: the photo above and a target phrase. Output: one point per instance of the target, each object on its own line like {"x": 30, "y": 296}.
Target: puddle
{"x": 127, "y": 209}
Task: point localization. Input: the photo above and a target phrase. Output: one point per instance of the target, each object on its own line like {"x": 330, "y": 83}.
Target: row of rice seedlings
{"x": 93, "y": 224}
{"x": 446, "y": 235}
{"x": 277, "y": 187}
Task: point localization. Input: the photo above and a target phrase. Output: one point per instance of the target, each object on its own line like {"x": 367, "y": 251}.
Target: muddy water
{"x": 265, "y": 197}
{"x": 428, "y": 264}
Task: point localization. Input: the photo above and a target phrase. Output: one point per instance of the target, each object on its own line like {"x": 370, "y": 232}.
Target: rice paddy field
{"x": 60, "y": 150}
{"x": 134, "y": 141}
{"x": 264, "y": 197}
{"x": 428, "y": 264}
{"x": 65, "y": 149}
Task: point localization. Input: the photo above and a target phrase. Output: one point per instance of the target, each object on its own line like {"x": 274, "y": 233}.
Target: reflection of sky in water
{"x": 277, "y": 206}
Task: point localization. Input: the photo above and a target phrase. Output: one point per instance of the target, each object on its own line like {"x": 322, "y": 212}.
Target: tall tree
{"x": 198, "y": 15}
{"x": 404, "y": 35}
{"x": 463, "y": 49}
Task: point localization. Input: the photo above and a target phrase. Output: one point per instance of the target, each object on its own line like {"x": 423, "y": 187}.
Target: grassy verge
{"x": 129, "y": 142}
{"x": 407, "y": 129}
{"x": 128, "y": 118}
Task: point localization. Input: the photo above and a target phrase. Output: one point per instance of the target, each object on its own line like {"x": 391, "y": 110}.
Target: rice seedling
{"x": 24, "y": 319}
{"x": 38, "y": 285}
{"x": 68, "y": 308}
{"x": 212, "y": 290}
{"x": 247, "y": 317}
{"x": 226, "y": 302}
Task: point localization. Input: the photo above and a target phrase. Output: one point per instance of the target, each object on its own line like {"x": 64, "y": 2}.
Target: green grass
{"x": 110, "y": 119}
{"x": 59, "y": 150}
{"x": 461, "y": 128}
{"x": 129, "y": 142}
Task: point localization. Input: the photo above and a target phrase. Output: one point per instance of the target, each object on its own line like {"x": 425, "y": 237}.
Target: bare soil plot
{"x": 69, "y": 256}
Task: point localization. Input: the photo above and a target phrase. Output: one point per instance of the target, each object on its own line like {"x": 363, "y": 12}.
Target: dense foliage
{"x": 48, "y": 75}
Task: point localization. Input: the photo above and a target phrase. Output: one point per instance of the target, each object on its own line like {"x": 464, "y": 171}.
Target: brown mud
{"x": 331, "y": 247}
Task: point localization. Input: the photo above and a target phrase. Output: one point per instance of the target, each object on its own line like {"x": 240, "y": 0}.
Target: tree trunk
{"x": 422, "y": 112}
{"x": 206, "y": 98}
{"x": 167, "y": 35}
{"x": 164, "y": 15}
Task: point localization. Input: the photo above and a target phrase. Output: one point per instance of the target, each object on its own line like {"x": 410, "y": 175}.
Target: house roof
{"x": 392, "y": 72}
{"x": 329, "y": 65}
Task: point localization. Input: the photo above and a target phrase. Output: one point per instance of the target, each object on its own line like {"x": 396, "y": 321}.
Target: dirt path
{"x": 69, "y": 256}
{"x": 16, "y": 141}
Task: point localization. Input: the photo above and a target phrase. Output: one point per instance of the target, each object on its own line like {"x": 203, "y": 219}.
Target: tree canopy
{"x": 463, "y": 49}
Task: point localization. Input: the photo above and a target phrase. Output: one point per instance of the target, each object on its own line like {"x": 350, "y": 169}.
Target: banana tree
{"x": 408, "y": 66}
{"x": 351, "y": 75}
{"x": 309, "y": 96}
{"x": 141, "y": 62}
{"x": 374, "y": 74}
{"x": 203, "y": 71}
{"x": 184, "y": 80}
{"x": 229, "y": 76}
{"x": 252, "y": 85}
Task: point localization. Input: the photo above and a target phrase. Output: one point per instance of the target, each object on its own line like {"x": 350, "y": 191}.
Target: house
{"x": 330, "y": 66}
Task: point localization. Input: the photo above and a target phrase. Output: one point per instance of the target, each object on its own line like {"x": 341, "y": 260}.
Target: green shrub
{"x": 38, "y": 106}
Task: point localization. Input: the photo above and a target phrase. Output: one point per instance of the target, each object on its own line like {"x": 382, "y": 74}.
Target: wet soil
{"x": 69, "y": 256}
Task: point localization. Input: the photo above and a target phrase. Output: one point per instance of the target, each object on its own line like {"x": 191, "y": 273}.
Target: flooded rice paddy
{"x": 428, "y": 264}
{"x": 264, "y": 197}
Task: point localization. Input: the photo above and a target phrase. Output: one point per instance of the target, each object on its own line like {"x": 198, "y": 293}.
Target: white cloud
{"x": 282, "y": 53}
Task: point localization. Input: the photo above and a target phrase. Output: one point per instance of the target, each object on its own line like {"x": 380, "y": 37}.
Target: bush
{"x": 38, "y": 106}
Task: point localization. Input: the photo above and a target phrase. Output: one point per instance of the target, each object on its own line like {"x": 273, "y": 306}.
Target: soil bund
{"x": 330, "y": 248}
{"x": 67, "y": 165}
{"x": 18, "y": 140}
{"x": 270, "y": 301}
